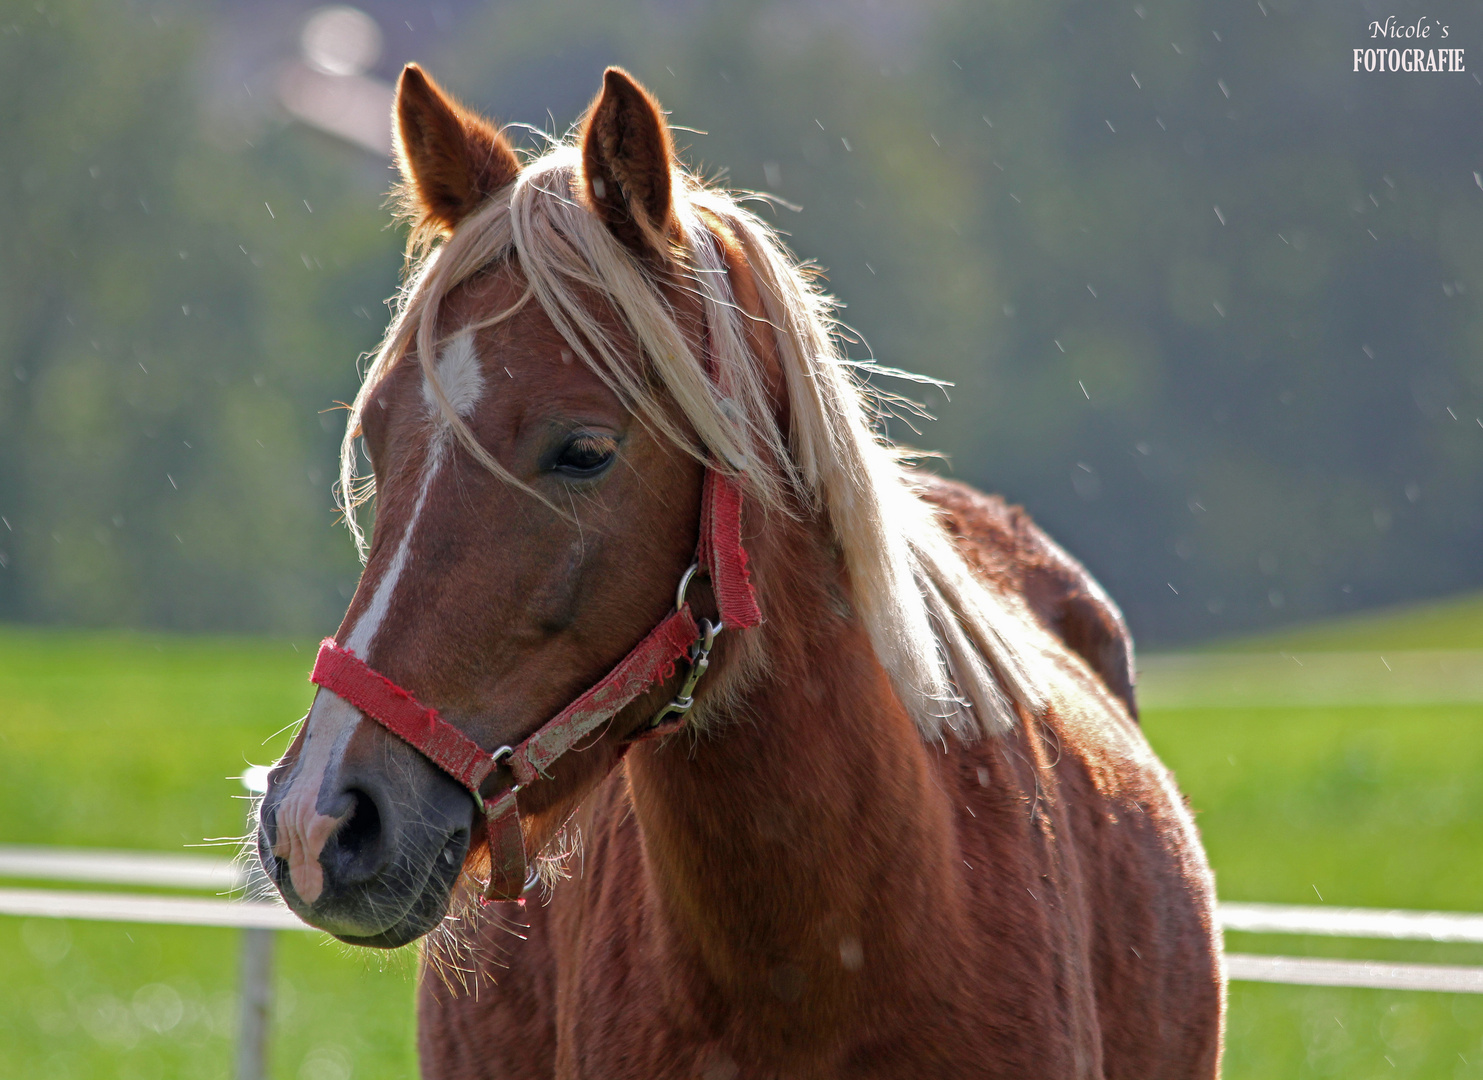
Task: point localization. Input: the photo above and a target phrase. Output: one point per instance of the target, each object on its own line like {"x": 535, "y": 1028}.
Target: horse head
{"x": 531, "y": 523}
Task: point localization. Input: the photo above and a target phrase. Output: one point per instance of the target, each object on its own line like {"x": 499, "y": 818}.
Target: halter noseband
{"x": 719, "y": 554}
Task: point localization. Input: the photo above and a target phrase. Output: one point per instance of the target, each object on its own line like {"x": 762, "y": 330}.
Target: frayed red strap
{"x": 722, "y": 554}
{"x": 347, "y": 675}
{"x": 507, "y": 866}
{"x": 650, "y": 661}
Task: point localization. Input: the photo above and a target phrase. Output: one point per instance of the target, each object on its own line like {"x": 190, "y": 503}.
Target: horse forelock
{"x": 950, "y": 642}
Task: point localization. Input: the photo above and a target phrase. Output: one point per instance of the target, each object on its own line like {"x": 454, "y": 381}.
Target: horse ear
{"x": 451, "y": 158}
{"x": 626, "y": 157}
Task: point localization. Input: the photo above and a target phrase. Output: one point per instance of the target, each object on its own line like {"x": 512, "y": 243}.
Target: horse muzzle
{"x": 372, "y": 855}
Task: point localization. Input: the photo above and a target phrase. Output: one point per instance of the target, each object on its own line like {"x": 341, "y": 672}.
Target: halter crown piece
{"x": 719, "y": 554}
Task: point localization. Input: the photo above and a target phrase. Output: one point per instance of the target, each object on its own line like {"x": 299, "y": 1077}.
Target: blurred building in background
{"x": 1210, "y": 300}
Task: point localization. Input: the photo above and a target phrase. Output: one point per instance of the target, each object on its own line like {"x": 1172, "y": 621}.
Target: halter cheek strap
{"x": 719, "y": 554}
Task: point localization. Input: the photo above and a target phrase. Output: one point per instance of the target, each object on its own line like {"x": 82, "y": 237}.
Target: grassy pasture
{"x": 134, "y": 741}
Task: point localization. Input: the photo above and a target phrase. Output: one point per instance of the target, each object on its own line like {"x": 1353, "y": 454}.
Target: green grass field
{"x": 134, "y": 741}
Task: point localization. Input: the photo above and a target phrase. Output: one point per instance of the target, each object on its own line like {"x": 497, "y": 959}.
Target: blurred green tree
{"x": 178, "y": 304}
{"x": 1210, "y": 300}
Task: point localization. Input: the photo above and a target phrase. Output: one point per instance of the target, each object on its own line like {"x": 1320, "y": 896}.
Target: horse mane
{"x": 947, "y": 639}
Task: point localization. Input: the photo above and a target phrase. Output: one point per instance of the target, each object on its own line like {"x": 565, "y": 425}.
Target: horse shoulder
{"x": 1004, "y": 544}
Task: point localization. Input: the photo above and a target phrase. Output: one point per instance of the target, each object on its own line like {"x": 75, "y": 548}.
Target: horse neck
{"x": 804, "y": 834}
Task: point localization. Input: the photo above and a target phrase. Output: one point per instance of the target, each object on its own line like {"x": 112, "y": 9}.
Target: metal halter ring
{"x": 496, "y": 759}
{"x": 685, "y": 579}
{"x": 499, "y": 757}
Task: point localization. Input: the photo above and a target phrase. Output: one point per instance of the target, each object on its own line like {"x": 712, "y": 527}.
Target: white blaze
{"x": 462, "y": 378}
{"x": 359, "y": 639}
{"x": 302, "y": 829}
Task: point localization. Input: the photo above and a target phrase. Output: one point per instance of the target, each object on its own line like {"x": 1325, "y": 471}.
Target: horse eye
{"x": 586, "y": 455}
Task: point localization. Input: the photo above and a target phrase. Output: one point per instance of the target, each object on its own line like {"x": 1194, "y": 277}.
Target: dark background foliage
{"x": 1209, "y": 299}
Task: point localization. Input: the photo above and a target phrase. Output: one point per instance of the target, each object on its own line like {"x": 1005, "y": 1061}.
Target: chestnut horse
{"x": 910, "y": 826}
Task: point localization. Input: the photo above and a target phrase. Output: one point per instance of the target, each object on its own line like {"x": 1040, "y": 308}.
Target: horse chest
{"x": 596, "y": 991}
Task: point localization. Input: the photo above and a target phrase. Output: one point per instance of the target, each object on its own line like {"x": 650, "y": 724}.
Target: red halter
{"x": 719, "y": 553}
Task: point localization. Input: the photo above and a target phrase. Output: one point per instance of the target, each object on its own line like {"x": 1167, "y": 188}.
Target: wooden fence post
{"x": 256, "y": 989}
{"x": 257, "y": 999}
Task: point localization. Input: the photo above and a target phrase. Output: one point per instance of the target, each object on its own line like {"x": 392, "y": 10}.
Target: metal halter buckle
{"x": 699, "y": 657}
{"x": 699, "y": 660}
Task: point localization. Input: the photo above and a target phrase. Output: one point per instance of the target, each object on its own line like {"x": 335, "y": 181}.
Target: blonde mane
{"x": 947, "y": 641}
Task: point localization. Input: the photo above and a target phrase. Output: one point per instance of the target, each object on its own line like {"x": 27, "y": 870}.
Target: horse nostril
{"x": 359, "y": 837}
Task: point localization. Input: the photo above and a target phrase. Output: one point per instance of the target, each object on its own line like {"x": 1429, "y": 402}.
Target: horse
{"x": 825, "y": 766}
